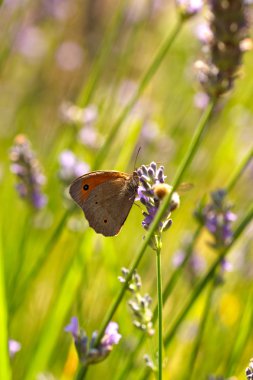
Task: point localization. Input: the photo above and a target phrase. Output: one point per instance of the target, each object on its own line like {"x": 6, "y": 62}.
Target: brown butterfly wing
{"x": 107, "y": 205}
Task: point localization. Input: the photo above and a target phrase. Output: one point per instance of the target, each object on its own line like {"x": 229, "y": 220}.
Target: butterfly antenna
{"x": 137, "y": 154}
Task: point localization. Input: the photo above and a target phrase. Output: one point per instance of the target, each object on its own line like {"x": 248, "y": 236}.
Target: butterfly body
{"x": 106, "y": 198}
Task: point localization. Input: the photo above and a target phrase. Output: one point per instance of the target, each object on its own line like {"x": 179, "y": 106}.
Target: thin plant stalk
{"x": 5, "y": 368}
{"x": 81, "y": 373}
{"x": 241, "y": 334}
{"x": 160, "y": 309}
{"x": 205, "y": 314}
{"x": 194, "y": 143}
{"x": 240, "y": 170}
{"x": 150, "y": 72}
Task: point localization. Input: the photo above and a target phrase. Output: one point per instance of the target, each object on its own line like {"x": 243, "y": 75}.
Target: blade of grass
{"x": 5, "y": 370}
{"x": 47, "y": 339}
{"x": 24, "y": 288}
{"x": 205, "y": 314}
{"x": 243, "y": 331}
{"x": 240, "y": 170}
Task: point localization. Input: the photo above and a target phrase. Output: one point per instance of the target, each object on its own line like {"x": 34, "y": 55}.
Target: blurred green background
{"x": 92, "y": 54}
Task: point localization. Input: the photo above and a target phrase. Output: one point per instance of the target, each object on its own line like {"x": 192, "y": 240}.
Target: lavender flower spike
{"x": 151, "y": 191}
{"x": 27, "y": 169}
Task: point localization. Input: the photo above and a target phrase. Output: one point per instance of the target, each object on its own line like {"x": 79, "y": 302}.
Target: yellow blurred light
{"x": 229, "y": 309}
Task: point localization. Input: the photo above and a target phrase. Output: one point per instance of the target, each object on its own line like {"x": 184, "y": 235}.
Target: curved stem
{"x": 81, "y": 373}
{"x": 240, "y": 170}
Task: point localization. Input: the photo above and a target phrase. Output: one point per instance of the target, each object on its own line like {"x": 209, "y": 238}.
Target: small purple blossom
{"x": 27, "y": 169}
{"x": 111, "y": 336}
{"x": 217, "y": 218}
{"x": 14, "y": 347}
{"x": 73, "y": 327}
{"x": 88, "y": 351}
{"x": 189, "y": 8}
{"x": 151, "y": 191}
{"x": 71, "y": 167}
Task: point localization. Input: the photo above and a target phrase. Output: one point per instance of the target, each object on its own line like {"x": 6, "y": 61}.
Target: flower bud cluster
{"x": 88, "y": 352}
{"x": 140, "y": 305}
{"x": 151, "y": 192}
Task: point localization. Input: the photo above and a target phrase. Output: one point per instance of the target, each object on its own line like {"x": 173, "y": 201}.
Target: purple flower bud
{"x": 111, "y": 336}
{"x": 73, "y": 327}
{"x": 189, "y": 8}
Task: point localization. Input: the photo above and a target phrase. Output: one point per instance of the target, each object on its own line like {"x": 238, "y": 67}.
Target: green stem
{"x": 152, "y": 69}
{"x": 240, "y": 170}
{"x": 160, "y": 310}
{"x": 194, "y": 354}
{"x": 81, "y": 373}
{"x": 194, "y": 143}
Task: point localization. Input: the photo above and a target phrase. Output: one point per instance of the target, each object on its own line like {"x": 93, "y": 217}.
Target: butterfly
{"x": 106, "y": 198}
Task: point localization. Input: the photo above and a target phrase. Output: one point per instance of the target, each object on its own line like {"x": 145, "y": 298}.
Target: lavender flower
{"x": 249, "y": 370}
{"x": 140, "y": 305}
{"x": 217, "y": 217}
{"x": 30, "y": 178}
{"x": 71, "y": 167}
{"x": 227, "y": 40}
{"x": 14, "y": 347}
{"x": 151, "y": 191}
{"x": 87, "y": 352}
{"x": 189, "y": 8}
